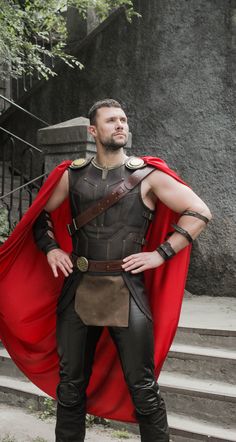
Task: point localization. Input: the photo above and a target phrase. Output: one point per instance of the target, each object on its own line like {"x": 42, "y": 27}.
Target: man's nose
{"x": 119, "y": 123}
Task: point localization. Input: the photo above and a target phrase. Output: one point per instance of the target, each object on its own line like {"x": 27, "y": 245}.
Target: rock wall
{"x": 174, "y": 71}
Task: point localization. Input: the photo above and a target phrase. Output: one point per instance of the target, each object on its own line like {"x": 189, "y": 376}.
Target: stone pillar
{"x": 67, "y": 141}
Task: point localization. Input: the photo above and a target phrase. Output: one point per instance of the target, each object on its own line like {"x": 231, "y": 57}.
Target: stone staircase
{"x": 198, "y": 380}
{"x": 198, "y": 383}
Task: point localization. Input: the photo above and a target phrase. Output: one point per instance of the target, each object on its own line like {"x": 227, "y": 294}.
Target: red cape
{"x": 28, "y": 298}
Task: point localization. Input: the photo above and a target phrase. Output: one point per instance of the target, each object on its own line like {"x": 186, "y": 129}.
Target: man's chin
{"x": 114, "y": 147}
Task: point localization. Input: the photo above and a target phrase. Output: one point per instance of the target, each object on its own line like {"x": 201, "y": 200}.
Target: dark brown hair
{"x": 107, "y": 102}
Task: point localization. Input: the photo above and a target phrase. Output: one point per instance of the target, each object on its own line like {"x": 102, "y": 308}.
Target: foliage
{"x": 4, "y": 224}
{"x": 95, "y": 420}
{"x": 33, "y": 33}
{"x": 121, "y": 434}
{"x": 8, "y": 438}
{"x": 39, "y": 439}
{"x": 49, "y": 409}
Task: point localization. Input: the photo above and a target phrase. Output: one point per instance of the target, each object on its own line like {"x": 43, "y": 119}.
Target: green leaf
{"x": 29, "y": 34}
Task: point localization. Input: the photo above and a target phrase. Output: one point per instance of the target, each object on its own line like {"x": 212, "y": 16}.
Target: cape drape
{"x": 29, "y": 293}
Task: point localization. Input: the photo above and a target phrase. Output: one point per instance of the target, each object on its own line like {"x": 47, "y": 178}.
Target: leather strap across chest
{"x": 109, "y": 199}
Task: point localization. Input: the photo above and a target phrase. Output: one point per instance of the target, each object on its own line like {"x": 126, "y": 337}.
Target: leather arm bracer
{"x": 184, "y": 232}
{"x": 44, "y": 234}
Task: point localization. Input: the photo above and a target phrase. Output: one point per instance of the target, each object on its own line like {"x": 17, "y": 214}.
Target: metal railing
{"x": 9, "y": 205}
{"x": 12, "y": 103}
{"x": 20, "y": 139}
{"x": 40, "y": 177}
{"x": 7, "y": 226}
{"x": 18, "y": 185}
{"x": 15, "y": 88}
{"x": 19, "y": 161}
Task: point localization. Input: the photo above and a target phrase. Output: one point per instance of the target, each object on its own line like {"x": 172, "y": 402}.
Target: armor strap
{"x": 182, "y": 232}
{"x": 111, "y": 198}
{"x": 196, "y": 215}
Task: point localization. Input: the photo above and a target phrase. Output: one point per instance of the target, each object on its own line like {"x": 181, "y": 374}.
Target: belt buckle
{"x": 82, "y": 263}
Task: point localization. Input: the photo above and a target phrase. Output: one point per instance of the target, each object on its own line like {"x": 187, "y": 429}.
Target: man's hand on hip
{"x": 58, "y": 259}
{"x": 139, "y": 262}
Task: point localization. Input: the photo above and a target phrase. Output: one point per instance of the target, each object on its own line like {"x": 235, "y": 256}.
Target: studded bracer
{"x": 118, "y": 232}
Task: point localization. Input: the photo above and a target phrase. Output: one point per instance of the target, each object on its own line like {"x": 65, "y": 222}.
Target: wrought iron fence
{"x": 20, "y": 159}
{"x": 18, "y": 185}
{"x": 12, "y": 103}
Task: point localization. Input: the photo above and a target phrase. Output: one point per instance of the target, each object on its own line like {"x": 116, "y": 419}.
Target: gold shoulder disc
{"x": 135, "y": 163}
{"x": 80, "y": 162}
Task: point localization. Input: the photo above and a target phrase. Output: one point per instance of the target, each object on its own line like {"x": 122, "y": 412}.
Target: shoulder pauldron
{"x": 79, "y": 163}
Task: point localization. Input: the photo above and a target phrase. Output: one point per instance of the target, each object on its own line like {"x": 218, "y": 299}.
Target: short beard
{"x": 113, "y": 147}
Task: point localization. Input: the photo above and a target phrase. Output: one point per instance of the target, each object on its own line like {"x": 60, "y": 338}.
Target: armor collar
{"x": 106, "y": 169}
{"x": 98, "y": 166}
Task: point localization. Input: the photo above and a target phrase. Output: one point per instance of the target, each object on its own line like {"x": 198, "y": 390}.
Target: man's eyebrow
{"x": 116, "y": 116}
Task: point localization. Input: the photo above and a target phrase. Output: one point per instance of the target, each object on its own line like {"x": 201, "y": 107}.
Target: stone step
{"x": 197, "y": 398}
{"x": 202, "y": 362}
{"x": 208, "y": 400}
{"x": 198, "y": 362}
{"x": 206, "y": 321}
{"x": 185, "y": 429}
{"x": 201, "y": 337}
{"x": 23, "y": 394}
{"x": 8, "y": 367}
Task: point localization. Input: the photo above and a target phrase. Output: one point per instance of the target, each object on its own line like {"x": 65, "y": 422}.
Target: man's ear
{"x": 92, "y": 130}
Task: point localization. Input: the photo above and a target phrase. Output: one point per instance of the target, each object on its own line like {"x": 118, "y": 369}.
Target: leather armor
{"x": 113, "y": 235}
{"x": 118, "y": 232}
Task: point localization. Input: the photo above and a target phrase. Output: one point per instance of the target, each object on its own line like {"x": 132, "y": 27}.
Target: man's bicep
{"x": 175, "y": 195}
{"x": 60, "y": 193}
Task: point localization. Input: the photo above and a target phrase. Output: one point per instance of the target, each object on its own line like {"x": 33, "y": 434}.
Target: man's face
{"x": 111, "y": 128}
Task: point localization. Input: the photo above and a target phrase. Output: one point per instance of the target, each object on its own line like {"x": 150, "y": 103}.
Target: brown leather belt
{"x": 87, "y": 265}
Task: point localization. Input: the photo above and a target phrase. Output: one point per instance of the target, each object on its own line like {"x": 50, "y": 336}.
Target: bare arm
{"x": 60, "y": 193}
{"x": 179, "y": 198}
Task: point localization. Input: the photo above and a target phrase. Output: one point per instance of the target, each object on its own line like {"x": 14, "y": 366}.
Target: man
{"x": 104, "y": 283}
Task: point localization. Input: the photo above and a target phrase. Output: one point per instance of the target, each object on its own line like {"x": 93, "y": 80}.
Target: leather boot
{"x": 70, "y": 426}
{"x": 154, "y": 427}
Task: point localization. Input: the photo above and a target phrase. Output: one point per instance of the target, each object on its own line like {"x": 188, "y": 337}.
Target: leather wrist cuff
{"x": 52, "y": 246}
{"x": 166, "y": 251}
{"x": 43, "y": 233}
{"x": 182, "y": 232}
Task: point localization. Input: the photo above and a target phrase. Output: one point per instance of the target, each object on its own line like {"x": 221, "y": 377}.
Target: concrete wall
{"x": 174, "y": 72}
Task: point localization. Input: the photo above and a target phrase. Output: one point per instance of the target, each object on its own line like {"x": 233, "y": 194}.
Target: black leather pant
{"x": 76, "y": 348}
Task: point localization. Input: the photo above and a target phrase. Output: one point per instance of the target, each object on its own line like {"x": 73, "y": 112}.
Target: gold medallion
{"x": 80, "y": 162}
{"x": 134, "y": 163}
{"x": 82, "y": 263}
